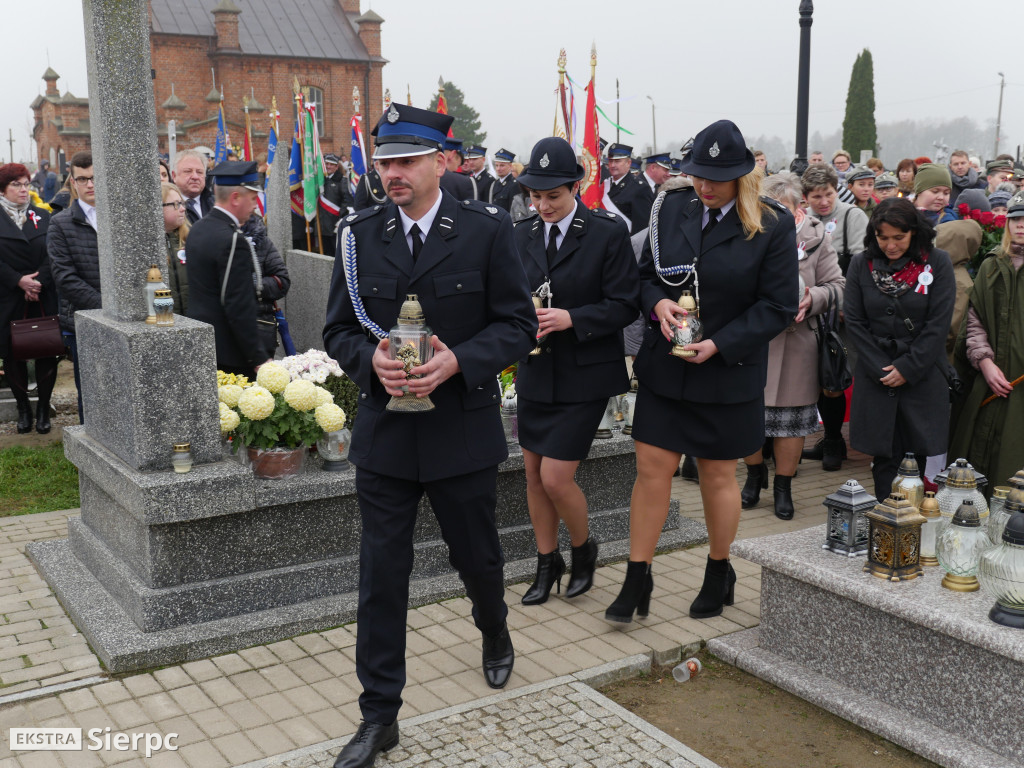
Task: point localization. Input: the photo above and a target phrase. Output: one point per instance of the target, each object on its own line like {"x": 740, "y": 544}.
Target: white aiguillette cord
{"x": 686, "y": 270}
{"x": 351, "y": 268}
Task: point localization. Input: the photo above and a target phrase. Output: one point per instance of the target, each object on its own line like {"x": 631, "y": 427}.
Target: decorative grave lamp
{"x": 960, "y": 547}
{"x": 690, "y": 329}
{"x": 929, "y": 510}
{"x": 961, "y": 485}
{"x": 510, "y": 414}
{"x": 410, "y": 343}
{"x": 908, "y": 480}
{"x": 163, "y": 305}
{"x": 333, "y": 448}
{"x": 894, "y": 540}
{"x": 154, "y": 283}
{"x": 847, "y": 529}
{"x": 628, "y": 405}
{"x": 997, "y": 514}
{"x": 940, "y": 479}
{"x": 1001, "y": 571}
{"x": 604, "y": 429}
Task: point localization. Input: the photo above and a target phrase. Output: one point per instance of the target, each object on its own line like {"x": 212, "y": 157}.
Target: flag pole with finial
{"x": 297, "y": 90}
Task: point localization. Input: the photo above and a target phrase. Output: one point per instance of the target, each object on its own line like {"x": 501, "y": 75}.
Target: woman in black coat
{"x": 26, "y": 290}
{"x": 584, "y": 261}
{"x": 899, "y": 301}
{"x": 736, "y": 253}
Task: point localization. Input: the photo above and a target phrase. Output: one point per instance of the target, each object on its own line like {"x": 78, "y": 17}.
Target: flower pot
{"x": 276, "y": 462}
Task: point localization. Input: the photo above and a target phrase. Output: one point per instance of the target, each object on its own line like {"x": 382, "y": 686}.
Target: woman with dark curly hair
{"x": 26, "y": 290}
{"x": 899, "y": 301}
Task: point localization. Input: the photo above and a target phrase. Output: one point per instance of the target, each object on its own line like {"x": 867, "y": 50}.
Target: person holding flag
{"x": 582, "y": 261}
{"x": 335, "y": 202}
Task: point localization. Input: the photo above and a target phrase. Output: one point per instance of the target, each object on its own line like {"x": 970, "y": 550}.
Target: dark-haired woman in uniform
{"x": 734, "y": 253}
{"x": 584, "y": 261}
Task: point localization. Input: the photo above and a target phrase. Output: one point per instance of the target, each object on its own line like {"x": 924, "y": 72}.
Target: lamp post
{"x": 654, "y": 129}
{"x": 804, "y": 78}
{"x": 999, "y": 114}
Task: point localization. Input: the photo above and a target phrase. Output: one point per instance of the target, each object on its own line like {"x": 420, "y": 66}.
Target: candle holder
{"x": 689, "y": 329}
{"x": 409, "y": 341}
{"x": 847, "y": 529}
{"x": 894, "y": 540}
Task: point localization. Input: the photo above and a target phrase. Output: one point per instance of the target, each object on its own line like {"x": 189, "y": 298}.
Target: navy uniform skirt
{"x": 704, "y": 430}
{"x": 561, "y": 431}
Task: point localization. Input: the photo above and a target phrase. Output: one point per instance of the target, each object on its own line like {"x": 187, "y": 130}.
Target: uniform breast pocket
{"x": 460, "y": 299}
{"x": 378, "y": 291}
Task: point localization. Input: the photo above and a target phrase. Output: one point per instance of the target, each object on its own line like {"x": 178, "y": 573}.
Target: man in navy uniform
{"x": 504, "y": 187}
{"x": 625, "y": 194}
{"x": 459, "y": 185}
{"x": 656, "y": 172}
{"x": 459, "y": 258}
{"x": 476, "y": 165}
{"x": 222, "y": 270}
{"x": 369, "y": 190}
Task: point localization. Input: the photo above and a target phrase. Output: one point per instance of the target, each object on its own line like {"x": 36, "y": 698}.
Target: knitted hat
{"x": 931, "y": 175}
{"x": 999, "y": 197}
{"x": 975, "y": 200}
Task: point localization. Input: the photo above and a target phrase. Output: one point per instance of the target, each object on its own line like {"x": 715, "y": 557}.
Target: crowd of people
{"x": 700, "y": 276}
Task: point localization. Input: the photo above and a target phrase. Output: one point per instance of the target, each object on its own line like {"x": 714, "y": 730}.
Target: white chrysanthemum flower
{"x": 300, "y": 395}
{"x": 256, "y": 403}
{"x": 229, "y": 394}
{"x": 323, "y": 397}
{"x": 330, "y": 417}
{"x": 229, "y": 420}
{"x": 273, "y": 376}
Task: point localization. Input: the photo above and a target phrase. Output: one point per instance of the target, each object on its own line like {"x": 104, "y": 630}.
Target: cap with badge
{"x": 331, "y": 158}
{"x": 475, "y": 150}
{"x": 456, "y": 144}
{"x": 686, "y": 148}
{"x": 885, "y": 180}
{"x": 998, "y": 165}
{"x": 634, "y": 164}
{"x": 504, "y": 156}
{"x": 676, "y": 170}
{"x": 237, "y": 173}
{"x": 619, "y": 150}
{"x": 858, "y": 173}
{"x": 661, "y": 158}
{"x": 719, "y": 153}
{"x": 403, "y": 131}
{"x": 552, "y": 163}
{"x": 1015, "y": 208}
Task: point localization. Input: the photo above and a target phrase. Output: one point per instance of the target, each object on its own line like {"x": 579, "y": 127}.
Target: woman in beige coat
{"x": 792, "y": 385}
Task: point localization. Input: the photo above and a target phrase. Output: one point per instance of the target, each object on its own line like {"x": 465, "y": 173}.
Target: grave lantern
{"x": 960, "y": 547}
{"x": 894, "y": 540}
{"x": 1001, "y": 571}
{"x": 847, "y": 529}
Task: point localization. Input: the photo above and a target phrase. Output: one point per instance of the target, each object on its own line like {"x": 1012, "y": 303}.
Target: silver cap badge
{"x": 393, "y": 116}
{"x": 544, "y": 162}
{"x": 714, "y": 151}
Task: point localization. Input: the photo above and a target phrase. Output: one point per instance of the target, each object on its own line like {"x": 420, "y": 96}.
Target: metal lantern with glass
{"x": 409, "y": 341}
{"x": 894, "y": 540}
{"x": 997, "y": 514}
{"x": 847, "y": 530}
{"x": 961, "y": 485}
{"x": 690, "y": 329}
{"x": 960, "y": 547}
{"x": 1001, "y": 571}
{"x": 929, "y": 510}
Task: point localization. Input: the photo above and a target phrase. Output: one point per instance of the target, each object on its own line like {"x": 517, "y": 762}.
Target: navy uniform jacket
{"x": 470, "y": 282}
{"x": 748, "y": 295}
{"x": 594, "y": 276}
{"x": 370, "y": 190}
{"x": 458, "y": 185}
{"x": 483, "y": 180}
{"x": 502, "y": 191}
{"x": 207, "y": 253}
{"x": 634, "y": 197}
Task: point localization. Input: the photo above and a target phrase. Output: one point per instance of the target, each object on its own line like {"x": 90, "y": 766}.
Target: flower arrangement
{"x": 991, "y": 233}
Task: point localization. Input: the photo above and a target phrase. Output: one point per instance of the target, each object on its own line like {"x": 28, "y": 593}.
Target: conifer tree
{"x": 859, "y": 132}
{"x": 467, "y": 120}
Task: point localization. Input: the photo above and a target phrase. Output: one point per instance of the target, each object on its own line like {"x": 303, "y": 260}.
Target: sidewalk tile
{"x": 191, "y": 698}
{"x": 270, "y": 740}
{"x": 313, "y": 644}
{"x": 236, "y": 748}
{"x": 222, "y": 691}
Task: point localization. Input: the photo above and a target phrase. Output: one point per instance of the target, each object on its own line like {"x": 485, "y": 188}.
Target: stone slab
{"x": 742, "y": 649}
{"x": 307, "y": 296}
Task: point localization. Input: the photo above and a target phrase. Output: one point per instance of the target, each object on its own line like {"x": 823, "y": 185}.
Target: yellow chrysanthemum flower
{"x": 300, "y": 394}
{"x": 229, "y": 394}
{"x": 273, "y": 376}
{"x": 256, "y": 403}
{"x": 228, "y": 419}
{"x": 323, "y": 397}
{"x": 330, "y": 417}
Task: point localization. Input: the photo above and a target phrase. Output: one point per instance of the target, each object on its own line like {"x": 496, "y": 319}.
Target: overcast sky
{"x": 698, "y": 61}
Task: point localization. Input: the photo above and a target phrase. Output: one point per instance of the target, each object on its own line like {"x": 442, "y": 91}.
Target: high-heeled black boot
{"x": 550, "y": 568}
{"x": 783, "y": 492}
{"x": 584, "y": 561}
{"x": 718, "y": 589}
{"x": 634, "y": 596}
{"x": 757, "y": 478}
{"x": 43, "y": 417}
{"x": 24, "y": 414}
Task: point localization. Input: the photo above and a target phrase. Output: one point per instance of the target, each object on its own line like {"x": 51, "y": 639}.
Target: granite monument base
{"x": 163, "y": 568}
{"x": 911, "y": 661}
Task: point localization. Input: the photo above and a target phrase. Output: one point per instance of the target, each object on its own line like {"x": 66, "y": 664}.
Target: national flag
{"x": 295, "y": 173}
{"x": 327, "y": 205}
{"x": 220, "y": 153}
{"x": 312, "y": 164}
{"x": 271, "y": 151}
{"x": 442, "y": 106}
{"x": 591, "y": 189}
{"x": 358, "y": 152}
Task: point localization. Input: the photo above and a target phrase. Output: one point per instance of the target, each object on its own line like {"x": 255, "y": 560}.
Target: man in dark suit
{"x": 476, "y": 167}
{"x": 190, "y": 176}
{"x": 221, "y": 268}
{"x": 460, "y": 261}
{"x": 504, "y": 187}
{"x": 625, "y": 194}
{"x": 458, "y": 185}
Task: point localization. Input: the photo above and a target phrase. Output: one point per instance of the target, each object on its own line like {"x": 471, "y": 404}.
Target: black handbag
{"x": 833, "y": 364}
{"x": 36, "y": 337}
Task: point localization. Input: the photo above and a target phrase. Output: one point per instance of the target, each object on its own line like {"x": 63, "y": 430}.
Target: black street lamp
{"x": 804, "y": 80}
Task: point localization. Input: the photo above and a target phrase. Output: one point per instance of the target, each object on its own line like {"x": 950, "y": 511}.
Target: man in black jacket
{"x": 335, "y": 202}
{"x": 75, "y": 258}
{"x": 224, "y": 273}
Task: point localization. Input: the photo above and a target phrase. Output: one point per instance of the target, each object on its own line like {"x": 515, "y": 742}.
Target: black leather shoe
{"x": 550, "y": 569}
{"x": 584, "y": 561}
{"x": 499, "y": 656}
{"x": 757, "y": 478}
{"x": 718, "y": 589}
{"x": 688, "y": 469}
{"x": 370, "y": 739}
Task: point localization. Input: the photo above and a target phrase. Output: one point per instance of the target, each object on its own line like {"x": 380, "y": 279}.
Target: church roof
{"x": 314, "y": 29}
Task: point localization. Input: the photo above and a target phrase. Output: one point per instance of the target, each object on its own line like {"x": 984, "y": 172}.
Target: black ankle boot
{"x": 783, "y": 492}
{"x": 43, "y": 417}
{"x": 634, "y": 596}
{"x": 833, "y": 452}
{"x": 757, "y": 478}
{"x": 584, "y": 561}
{"x": 718, "y": 589}
{"x": 24, "y": 416}
{"x": 550, "y": 569}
